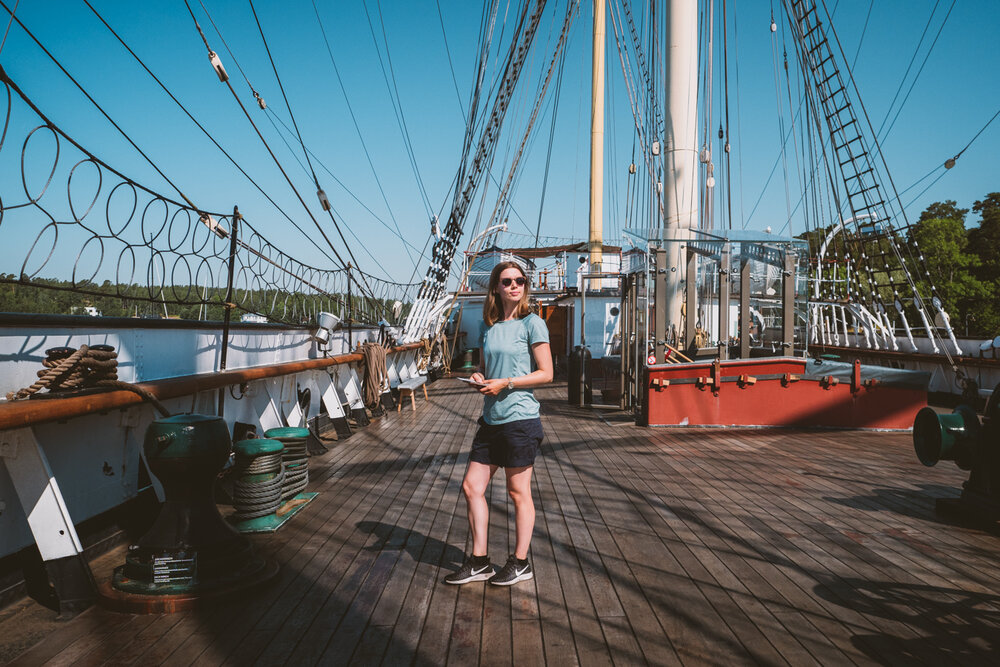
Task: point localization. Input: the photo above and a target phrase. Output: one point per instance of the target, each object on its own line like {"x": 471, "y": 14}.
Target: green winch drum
{"x": 295, "y": 458}
{"x": 260, "y": 478}
{"x": 946, "y": 437}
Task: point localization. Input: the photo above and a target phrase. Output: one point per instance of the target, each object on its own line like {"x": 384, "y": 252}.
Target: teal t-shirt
{"x": 506, "y": 350}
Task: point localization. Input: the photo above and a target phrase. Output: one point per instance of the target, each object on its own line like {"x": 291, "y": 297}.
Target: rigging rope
{"x": 364, "y": 146}
{"x": 291, "y": 114}
{"x": 917, "y": 76}
{"x": 202, "y": 128}
{"x": 504, "y": 193}
{"x": 725, "y": 68}
{"x": 98, "y": 107}
{"x": 10, "y": 22}
{"x": 548, "y": 152}
{"x": 366, "y": 291}
{"x": 451, "y": 64}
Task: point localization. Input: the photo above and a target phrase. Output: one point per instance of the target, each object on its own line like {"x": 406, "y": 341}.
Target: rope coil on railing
{"x": 67, "y": 370}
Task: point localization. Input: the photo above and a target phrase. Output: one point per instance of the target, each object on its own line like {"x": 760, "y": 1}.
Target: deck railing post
{"x": 724, "y": 282}
{"x": 223, "y": 353}
{"x": 660, "y": 283}
{"x": 350, "y": 311}
{"x": 788, "y": 304}
{"x": 691, "y": 309}
{"x": 49, "y": 520}
{"x": 745, "y": 321}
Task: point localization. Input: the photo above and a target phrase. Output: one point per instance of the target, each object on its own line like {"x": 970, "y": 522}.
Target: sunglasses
{"x": 507, "y": 281}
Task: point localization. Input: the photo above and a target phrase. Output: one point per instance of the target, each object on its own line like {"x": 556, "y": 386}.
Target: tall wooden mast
{"x": 596, "y": 240}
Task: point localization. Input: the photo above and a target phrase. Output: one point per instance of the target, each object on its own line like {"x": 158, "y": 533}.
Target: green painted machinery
{"x": 190, "y": 551}
{"x": 972, "y": 445}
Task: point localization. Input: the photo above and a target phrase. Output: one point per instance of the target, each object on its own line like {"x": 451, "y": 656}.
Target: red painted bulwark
{"x": 778, "y": 395}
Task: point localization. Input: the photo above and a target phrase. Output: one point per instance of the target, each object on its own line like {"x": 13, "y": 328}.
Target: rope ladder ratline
{"x": 443, "y": 252}
{"x": 874, "y": 238}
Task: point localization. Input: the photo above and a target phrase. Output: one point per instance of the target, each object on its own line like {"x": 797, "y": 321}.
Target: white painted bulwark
{"x": 90, "y": 464}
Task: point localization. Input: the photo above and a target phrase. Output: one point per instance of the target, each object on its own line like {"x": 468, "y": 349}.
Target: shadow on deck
{"x": 651, "y": 546}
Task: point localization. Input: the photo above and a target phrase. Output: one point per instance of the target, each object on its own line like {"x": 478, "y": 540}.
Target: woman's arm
{"x": 541, "y": 375}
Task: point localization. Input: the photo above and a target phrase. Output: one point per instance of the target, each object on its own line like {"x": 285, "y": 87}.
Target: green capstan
{"x": 190, "y": 550}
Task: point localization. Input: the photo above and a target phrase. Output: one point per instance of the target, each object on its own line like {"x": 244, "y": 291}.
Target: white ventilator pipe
{"x": 680, "y": 150}
{"x": 596, "y": 239}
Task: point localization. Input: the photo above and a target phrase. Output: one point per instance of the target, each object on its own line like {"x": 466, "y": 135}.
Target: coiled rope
{"x": 375, "y": 373}
{"x": 67, "y": 369}
{"x": 253, "y": 497}
{"x": 295, "y": 466}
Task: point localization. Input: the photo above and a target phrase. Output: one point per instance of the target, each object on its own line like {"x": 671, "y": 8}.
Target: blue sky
{"x": 956, "y": 94}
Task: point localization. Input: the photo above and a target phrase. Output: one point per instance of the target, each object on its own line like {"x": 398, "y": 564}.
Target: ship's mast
{"x": 596, "y": 240}
{"x": 680, "y": 151}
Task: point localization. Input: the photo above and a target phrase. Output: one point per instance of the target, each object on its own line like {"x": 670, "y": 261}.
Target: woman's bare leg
{"x": 519, "y": 488}
{"x": 477, "y": 478}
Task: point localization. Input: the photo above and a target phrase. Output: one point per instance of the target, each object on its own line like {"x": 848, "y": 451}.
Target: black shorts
{"x": 511, "y": 445}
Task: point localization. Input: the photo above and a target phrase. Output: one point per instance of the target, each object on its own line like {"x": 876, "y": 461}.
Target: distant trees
{"x": 61, "y": 297}
{"x": 964, "y": 263}
{"x": 985, "y": 239}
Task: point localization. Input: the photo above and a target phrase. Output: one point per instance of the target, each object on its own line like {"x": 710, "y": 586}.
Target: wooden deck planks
{"x": 651, "y": 546}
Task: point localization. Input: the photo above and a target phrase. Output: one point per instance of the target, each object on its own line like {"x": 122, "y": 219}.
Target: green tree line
{"x": 50, "y": 296}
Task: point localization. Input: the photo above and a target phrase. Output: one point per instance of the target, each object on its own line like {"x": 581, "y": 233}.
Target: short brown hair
{"x": 492, "y": 310}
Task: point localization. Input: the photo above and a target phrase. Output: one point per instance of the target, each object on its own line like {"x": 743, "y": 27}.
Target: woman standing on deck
{"x": 510, "y": 430}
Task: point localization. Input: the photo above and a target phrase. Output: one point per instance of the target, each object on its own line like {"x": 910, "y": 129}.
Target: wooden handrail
{"x": 20, "y": 414}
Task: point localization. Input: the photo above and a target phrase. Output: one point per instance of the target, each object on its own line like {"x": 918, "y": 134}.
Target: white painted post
{"x": 48, "y": 518}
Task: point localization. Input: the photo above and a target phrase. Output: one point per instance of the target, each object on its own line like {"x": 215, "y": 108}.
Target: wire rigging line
{"x": 272, "y": 117}
{"x": 916, "y": 77}
{"x": 319, "y": 228}
{"x": 781, "y": 119}
{"x": 291, "y": 114}
{"x": 981, "y": 130}
{"x": 945, "y": 167}
{"x": 913, "y": 59}
{"x": 205, "y": 131}
{"x": 281, "y": 87}
{"x": 871, "y": 4}
{"x": 634, "y": 102}
{"x": 739, "y": 125}
{"x": 361, "y": 138}
{"x": 256, "y": 95}
{"x": 725, "y": 97}
{"x": 556, "y": 60}
{"x": 10, "y": 22}
{"x": 447, "y": 50}
{"x": 394, "y": 97}
{"x": 395, "y": 232}
{"x": 99, "y": 108}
